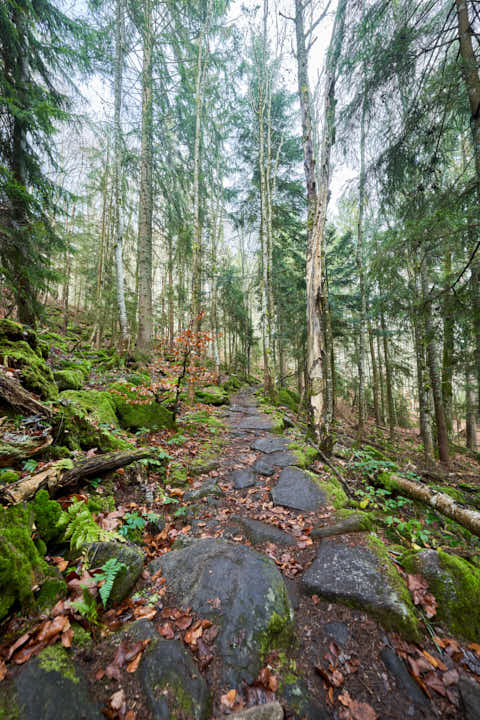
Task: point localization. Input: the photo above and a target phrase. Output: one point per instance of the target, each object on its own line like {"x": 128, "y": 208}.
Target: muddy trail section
{"x": 265, "y": 597}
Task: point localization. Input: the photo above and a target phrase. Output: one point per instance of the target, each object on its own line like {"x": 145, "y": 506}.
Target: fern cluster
{"x": 80, "y": 527}
{"x": 110, "y": 570}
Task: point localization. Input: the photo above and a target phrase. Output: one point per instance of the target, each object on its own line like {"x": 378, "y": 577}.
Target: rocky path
{"x": 273, "y": 602}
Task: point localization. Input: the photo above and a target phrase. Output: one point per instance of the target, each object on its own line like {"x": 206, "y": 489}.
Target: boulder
{"x": 20, "y": 349}
{"x": 296, "y": 489}
{"x": 87, "y": 419}
{"x": 455, "y": 583}
{"x": 399, "y": 670}
{"x": 69, "y": 379}
{"x": 49, "y": 687}
{"x": 206, "y": 490}
{"x": 254, "y": 614}
{"x": 170, "y": 679}
{"x": 356, "y": 522}
{"x": 130, "y": 555}
{"x": 263, "y": 466}
{"x": 470, "y": 695}
{"x": 363, "y": 577}
{"x": 212, "y": 395}
{"x": 137, "y": 407}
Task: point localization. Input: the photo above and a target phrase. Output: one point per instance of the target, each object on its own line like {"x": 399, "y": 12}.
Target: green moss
{"x": 54, "y": 339}
{"x": 368, "y": 521}
{"x": 454, "y": 493}
{"x": 280, "y": 633}
{"x": 81, "y": 638}
{"x": 388, "y": 481}
{"x": 58, "y": 452}
{"x": 78, "y": 365}
{"x": 212, "y": 395}
{"x": 51, "y": 591}
{"x": 9, "y": 708}
{"x": 177, "y": 474}
{"x": 46, "y": 513}
{"x": 35, "y": 374}
{"x": 407, "y": 625}
{"x": 202, "y": 417}
{"x": 305, "y": 454}
{"x": 101, "y": 503}
{"x": 87, "y": 416}
{"x": 333, "y": 489}
{"x": 285, "y": 398}
{"x": 233, "y": 383}
{"x": 55, "y": 659}
{"x": 138, "y": 378}
{"x": 69, "y": 379}
{"x": 455, "y": 583}
{"x": 41, "y": 547}
{"x": 21, "y": 566}
{"x": 7, "y": 475}
{"x": 139, "y": 408}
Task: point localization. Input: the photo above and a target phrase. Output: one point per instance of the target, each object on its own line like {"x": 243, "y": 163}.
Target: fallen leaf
{"x": 117, "y": 699}
{"x": 3, "y": 670}
{"x": 228, "y": 699}
{"x": 166, "y": 630}
{"x": 18, "y": 643}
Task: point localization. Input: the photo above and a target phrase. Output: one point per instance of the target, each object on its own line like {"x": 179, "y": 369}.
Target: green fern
{"x": 110, "y": 570}
{"x": 80, "y": 527}
{"x": 87, "y": 606}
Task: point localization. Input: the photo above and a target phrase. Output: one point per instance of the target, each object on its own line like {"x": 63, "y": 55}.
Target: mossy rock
{"x": 47, "y": 513}
{"x": 87, "y": 419}
{"x": 35, "y": 374}
{"x": 78, "y": 364}
{"x": 139, "y": 409}
{"x": 333, "y": 489}
{"x": 21, "y": 566}
{"x": 69, "y": 379}
{"x": 212, "y": 395}
{"x": 285, "y": 398}
{"x": 305, "y": 454}
{"x": 177, "y": 474}
{"x": 53, "y": 339}
{"x": 138, "y": 378}
{"x": 455, "y": 583}
{"x": 11, "y": 331}
{"x": 52, "y": 590}
{"x": 233, "y": 383}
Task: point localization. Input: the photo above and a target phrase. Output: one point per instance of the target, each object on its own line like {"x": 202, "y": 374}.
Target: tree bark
{"x": 13, "y": 394}
{"x": 145, "y": 207}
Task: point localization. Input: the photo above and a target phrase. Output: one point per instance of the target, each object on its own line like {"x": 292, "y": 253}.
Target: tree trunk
{"x": 145, "y": 206}
{"x": 448, "y": 345}
{"x": 471, "y": 421}
{"x": 117, "y": 167}
{"x": 388, "y": 378}
{"x": 360, "y": 261}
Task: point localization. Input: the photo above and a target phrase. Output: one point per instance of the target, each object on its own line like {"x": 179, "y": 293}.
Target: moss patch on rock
{"x": 35, "y": 374}
{"x": 138, "y": 408}
{"x": 333, "y": 489}
{"x": 284, "y": 397}
{"x": 55, "y": 659}
{"x": 51, "y": 591}
{"x": 305, "y": 454}
{"x": 7, "y": 475}
{"x": 455, "y": 583}
{"x": 69, "y": 379}
{"x": 21, "y": 566}
{"x": 47, "y": 513}
{"x": 212, "y": 395}
{"x": 87, "y": 419}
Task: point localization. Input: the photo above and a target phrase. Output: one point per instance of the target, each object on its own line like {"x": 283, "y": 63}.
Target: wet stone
{"x": 338, "y": 631}
{"x": 256, "y": 423}
{"x": 259, "y": 532}
{"x": 297, "y": 490}
{"x": 263, "y": 466}
{"x": 242, "y": 479}
{"x": 397, "y": 667}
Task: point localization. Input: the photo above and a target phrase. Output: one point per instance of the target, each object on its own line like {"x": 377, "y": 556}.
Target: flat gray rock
{"x": 270, "y": 444}
{"x": 297, "y": 490}
{"x": 169, "y": 676}
{"x": 242, "y": 479}
{"x": 259, "y": 532}
{"x": 254, "y": 608}
{"x": 282, "y": 458}
{"x": 355, "y": 576}
{"x": 263, "y": 466}
{"x": 256, "y": 423}
{"x": 49, "y": 687}
{"x": 206, "y": 490}
{"x": 354, "y": 523}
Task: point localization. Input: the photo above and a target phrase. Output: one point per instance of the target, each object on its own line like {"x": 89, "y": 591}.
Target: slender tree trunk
{"x": 381, "y": 378}
{"x": 360, "y": 261}
{"x": 424, "y": 406}
{"x": 374, "y": 376}
{"x": 145, "y": 207}
{"x": 448, "y": 345}
{"x": 117, "y": 167}
{"x": 435, "y": 378}
{"x": 388, "y": 377}
{"x": 471, "y": 421}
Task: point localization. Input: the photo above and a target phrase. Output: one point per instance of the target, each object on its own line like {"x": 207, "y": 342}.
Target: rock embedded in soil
{"x": 365, "y": 578}
{"x": 263, "y": 466}
{"x": 130, "y": 555}
{"x": 255, "y": 614}
{"x": 297, "y": 490}
{"x": 204, "y": 491}
{"x": 338, "y": 631}
{"x": 297, "y": 696}
{"x": 269, "y": 444}
{"x": 455, "y": 583}
{"x": 352, "y": 524}
{"x": 242, "y": 479}
{"x": 397, "y": 667}
{"x": 268, "y": 711}
{"x": 470, "y": 697}
{"x": 256, "y": 423}
{"x": 49, "y": 687}
{"x": 259, "y": 532}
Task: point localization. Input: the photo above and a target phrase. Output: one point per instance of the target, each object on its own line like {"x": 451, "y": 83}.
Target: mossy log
{"x": 56, "y": 479}
{"x": 14, "y": 448}
{"x": 13, "y": 394}
{"x": 441, "y": 502}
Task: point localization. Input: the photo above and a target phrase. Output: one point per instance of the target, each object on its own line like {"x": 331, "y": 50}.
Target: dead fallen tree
{"x": 13, "y": 394}
{"x": 441, "y": 502}
{"x": 56, "y": 478}
{"x": 15, "y": 447}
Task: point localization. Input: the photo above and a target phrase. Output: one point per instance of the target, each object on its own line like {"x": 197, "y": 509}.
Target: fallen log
{"x": 55, "y": 479}
{"x": 13, "y": 394}
{"x": 441, "y": 502}
{"x": 14, "y": 448}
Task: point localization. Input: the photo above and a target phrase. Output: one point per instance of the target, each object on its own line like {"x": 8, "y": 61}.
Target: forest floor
{"x": 243, "y": 513}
